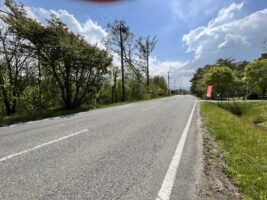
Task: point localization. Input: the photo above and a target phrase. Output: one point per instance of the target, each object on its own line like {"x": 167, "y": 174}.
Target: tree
{"x": 45, "y": 66}
{"x": 14, "y": 68}
{"x": 239, "y": 74}
{"x": 145, "y": 47}
{"x": 159, "y": 86}
{"x": 118, "y": 35}
{"x": 115, "y": 72}
{"x": 256, "y": 76}
{"x": 228, "y": 62}
{"x": 221, "y": 78}
{"x": 78, "y": 68}
{"x": 198, "y": 86}
{"x": 121, "y": 41}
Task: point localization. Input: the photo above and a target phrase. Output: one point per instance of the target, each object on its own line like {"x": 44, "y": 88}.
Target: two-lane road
{"x": 147, "y": 150}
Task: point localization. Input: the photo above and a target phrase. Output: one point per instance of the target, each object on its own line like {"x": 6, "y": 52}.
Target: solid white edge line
{"x": 167, "y": 185}
{"x": 150, "y": 108}
{"x": 41, "y": 145}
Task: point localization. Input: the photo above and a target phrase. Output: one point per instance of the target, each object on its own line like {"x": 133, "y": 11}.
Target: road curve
{"x": 116, "y": 153}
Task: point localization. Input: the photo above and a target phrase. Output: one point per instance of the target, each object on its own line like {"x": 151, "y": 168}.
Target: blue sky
{"x": 180, "y": 25}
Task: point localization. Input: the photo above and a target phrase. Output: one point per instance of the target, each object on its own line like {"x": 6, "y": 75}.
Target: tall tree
{"x": 228, "y": 62}
{"x": 198, "y": 86}
{"x": 14, "y": 68}
{"x": 145, "y": 47}
{"x": 256, "y": 76}
{"x": 115, "y": 72}
{"x": 118, "y": 35}
{"x": 221, "y": 78}
{"x": 159, "y": 86}
{"x": 78, "y": 67}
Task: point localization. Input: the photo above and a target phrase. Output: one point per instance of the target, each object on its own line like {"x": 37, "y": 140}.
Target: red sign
{"x": 209, "y": 91}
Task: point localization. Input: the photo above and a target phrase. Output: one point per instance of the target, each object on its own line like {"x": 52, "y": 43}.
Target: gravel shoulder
{"x": 215, "y": 182}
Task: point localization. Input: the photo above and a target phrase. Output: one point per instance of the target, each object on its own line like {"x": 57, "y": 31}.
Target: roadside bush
{"x": 258, "y": 120}
{"x": 253, "y": 96}
{"x": 232, "y": 107}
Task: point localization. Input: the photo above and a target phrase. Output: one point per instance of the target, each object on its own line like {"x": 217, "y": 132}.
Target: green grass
{"x": 256, "y": 113}
{"x": 18, "y": 118}
{"x": 38, "y": 116}
{"x": 253, "y": 112}
{"x": 244, "y": 145}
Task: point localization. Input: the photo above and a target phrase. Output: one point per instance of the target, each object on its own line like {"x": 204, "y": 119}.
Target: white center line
{"x": 42, "y": 145}
{"x": 150, "y": 107}
{"x": 167, "y": 185}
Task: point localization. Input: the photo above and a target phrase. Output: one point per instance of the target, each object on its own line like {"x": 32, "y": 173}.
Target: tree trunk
{"x": 114, "y": 89}
{"x": 5, "y": 97}
{"x": 147, "y": 72}
{"x": 39, "y": 83}
{"x": 14, "y": 106}
{"x": 7, "y": 106}
{"x": 68, "y": 98}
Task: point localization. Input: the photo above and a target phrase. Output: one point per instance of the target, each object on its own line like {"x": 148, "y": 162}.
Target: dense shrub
{"x": 253, "y": 96}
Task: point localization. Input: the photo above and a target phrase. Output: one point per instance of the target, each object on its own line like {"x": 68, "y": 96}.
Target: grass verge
{"x": 5, "y": 121}
{"x": 245, "y": 149}
{"x": 253, "y": 112}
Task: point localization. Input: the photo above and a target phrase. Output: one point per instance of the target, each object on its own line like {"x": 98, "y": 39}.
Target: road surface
{"x": 140, "y": 151}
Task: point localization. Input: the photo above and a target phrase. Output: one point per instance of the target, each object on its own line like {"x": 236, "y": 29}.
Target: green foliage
{"x": 258, "y": 120}
{"x": 44, "y": 68}
{"x": 137, "y": 88}
{"x": 256, "y": 76}
{"x": 228, "y": 62}
{"x": 221, "y": 78}
{"x": 231, "y": 79}
{"x": 244, "y": 146}
{"x": 105, "y": 95}
{"x": 198, "y": 86}
{"x": 232, "y": 107}
{"x": 145, "y": 47}
{"x": 253, "y": 112}
{"x": 159, "y": 86}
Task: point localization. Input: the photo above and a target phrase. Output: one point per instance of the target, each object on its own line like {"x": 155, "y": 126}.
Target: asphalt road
{"x": 139, "y": 151}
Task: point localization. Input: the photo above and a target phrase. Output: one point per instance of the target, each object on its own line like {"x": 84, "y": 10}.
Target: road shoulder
{"x": 215, "y": 183}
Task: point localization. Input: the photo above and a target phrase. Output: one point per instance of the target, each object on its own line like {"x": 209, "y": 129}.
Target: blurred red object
{"x": 209, "y": 91}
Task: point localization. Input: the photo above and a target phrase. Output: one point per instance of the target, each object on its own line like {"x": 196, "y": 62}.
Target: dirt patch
{"x": 215, "y": 183}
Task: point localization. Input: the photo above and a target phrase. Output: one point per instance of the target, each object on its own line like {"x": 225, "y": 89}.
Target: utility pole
{"x": 122, "y": 29}
{"x": 180, "y": 89}
{"x": 169, "y": 82}
{"x": 174, "y": 84}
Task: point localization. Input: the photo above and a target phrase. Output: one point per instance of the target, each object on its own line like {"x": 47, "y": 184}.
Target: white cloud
{"x": 178, "y": 72}
{"x": 90, "y": 30}
{"x": 227, "y": 35}
{"x": 230, "y": 38}
{"x": 190, "y": 10}
{"x": 162, "y": 67}
{"x": 94, "y": 33}
{"x": 226, "y": 15}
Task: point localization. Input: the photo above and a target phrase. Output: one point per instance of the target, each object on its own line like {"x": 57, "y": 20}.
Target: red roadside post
{"x": 209, "y": 91}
